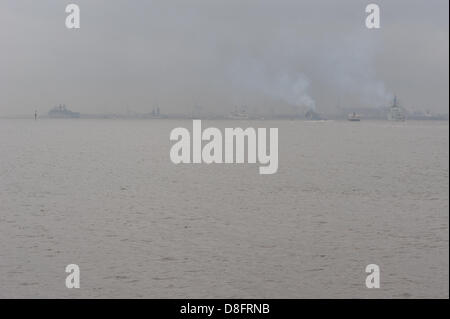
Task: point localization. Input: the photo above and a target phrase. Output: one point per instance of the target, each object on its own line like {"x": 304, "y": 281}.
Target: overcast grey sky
{"x": 217, "y": 54}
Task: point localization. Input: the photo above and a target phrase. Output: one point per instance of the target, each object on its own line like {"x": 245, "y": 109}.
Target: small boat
{"x": 353, "y": 117}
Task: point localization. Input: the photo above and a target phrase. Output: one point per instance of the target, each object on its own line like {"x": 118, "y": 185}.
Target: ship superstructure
{"x": 396, "y": 112}
{"x": 61, "y": 111}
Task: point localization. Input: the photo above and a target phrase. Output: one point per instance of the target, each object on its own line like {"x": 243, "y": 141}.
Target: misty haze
{"x": 270, "y": 56}
{"x": 360, "y": 173}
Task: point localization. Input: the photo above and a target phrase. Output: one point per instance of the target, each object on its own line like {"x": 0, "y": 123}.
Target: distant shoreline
{"x": 438, "y": 118}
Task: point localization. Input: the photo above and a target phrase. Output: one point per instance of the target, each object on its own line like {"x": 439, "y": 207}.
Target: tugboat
{"x": 395, "y": 112}
{"x": 61, "y": 112}
{"x": 353, "y": 117}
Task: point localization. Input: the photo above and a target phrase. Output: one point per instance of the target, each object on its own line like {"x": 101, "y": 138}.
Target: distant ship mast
{"x": 395, "y": 101}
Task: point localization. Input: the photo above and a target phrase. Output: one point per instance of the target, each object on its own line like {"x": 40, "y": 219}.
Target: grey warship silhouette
{"x": 61, "y": 111}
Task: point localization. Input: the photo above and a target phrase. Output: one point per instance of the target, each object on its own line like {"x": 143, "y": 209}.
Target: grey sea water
{"x": 104, "y": 194}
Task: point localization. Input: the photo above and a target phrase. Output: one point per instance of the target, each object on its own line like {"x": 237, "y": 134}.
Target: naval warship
{"x": 396, "y": 112}
{"x": 61, "y": 111}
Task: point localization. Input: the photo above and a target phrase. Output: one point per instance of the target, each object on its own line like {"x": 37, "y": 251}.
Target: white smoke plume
{"x": 350, "y": 69}
{"x": 289, "y": 87}
{"x": 293, "y": 89}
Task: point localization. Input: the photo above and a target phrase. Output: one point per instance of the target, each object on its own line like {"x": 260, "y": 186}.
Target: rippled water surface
{"x": 104, "y": 194}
